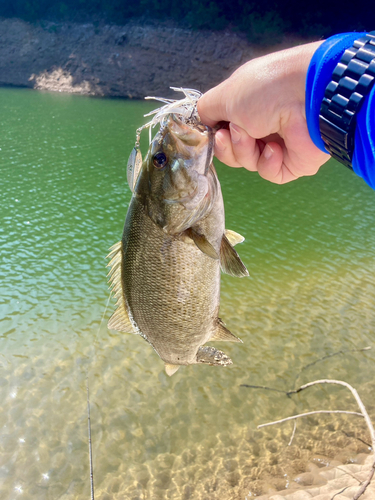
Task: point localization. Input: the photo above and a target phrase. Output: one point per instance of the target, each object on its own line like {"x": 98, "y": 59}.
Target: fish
{"x": 165, "y": 271}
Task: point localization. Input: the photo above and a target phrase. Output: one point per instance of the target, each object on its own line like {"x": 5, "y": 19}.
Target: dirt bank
{"x": 133, "y": 60}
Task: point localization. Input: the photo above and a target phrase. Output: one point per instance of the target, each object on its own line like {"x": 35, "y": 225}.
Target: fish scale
{"x": 176, "y": 327}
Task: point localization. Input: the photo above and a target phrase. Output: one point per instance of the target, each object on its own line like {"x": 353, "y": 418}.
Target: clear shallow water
{"x": 310, "y": 252}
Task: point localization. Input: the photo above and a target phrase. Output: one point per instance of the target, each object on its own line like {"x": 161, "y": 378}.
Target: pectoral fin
{"x": 222, "y": 333}
{"x": 233, "y": 237}
{"x": 171, "y": 369}
{"x": 202, "y": 243}
{"x": 230, "y": 260}
{"x": 134, "y": 167}
{"x": 120, "y": 318}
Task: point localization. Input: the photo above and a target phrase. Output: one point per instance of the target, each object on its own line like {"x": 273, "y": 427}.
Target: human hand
{"x": 264, "y": 103}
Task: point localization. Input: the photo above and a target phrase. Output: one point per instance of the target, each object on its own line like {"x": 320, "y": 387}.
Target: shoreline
{"x": 129, "y": 61}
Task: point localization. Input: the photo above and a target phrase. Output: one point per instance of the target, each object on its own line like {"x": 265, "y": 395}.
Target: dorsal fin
{"x": 202, "y": 243}
{"x": 120, "y": 319}
{"x": 233, "y": 237}
{"x": 222, "y": 333}
{"x": 171, "y": 369}
{"x": 230, "y": 260}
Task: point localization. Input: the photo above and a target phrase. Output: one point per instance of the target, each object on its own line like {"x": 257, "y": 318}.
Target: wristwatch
{"x": 352, "y": 80}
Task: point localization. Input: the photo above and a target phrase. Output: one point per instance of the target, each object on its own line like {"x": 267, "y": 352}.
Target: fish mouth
{"x": 192, "y": 141}
{"x": 191, "y": 136}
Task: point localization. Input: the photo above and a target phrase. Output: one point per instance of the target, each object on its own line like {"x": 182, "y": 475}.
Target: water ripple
{"x": 310, "y": 252}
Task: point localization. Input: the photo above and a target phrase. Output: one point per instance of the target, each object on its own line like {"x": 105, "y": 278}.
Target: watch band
{"x": 352, "y": 80}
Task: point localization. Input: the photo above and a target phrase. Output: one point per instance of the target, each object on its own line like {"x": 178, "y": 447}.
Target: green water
{"x": 310, "y": 250}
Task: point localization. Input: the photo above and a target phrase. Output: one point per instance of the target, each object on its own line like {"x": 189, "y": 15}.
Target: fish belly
{"x": 171, "y": 288}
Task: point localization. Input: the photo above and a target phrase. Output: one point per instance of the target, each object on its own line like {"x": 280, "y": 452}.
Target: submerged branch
{"x": 363, "y": 414}
{"x": 366, "y": 483}
{"x": 356, "y": 396}
{"x": 293, "y": 433}
{"x": 88, "y": 404}
{"x": 90, "y": 444}
{"x": 293, "y": 417}
{"x": 334, "y": 354}
{"x": 328, "y": 356}
{"x": 264, "y": 387}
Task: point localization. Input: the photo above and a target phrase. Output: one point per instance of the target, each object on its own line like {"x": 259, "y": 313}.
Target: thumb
{"x": 212, "y": 106}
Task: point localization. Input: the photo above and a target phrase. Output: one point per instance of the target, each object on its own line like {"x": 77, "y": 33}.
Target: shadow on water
{"x": 309, "y": 249}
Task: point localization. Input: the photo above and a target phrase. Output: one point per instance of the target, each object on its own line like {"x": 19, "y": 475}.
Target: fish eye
{"x": 159, "y": 160}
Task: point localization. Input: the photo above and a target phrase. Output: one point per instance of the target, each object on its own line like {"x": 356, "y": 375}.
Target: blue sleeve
{"x": 319, "y": 75}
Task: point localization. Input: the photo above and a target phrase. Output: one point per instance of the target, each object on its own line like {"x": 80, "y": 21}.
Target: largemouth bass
{"x": 165, "y": 271}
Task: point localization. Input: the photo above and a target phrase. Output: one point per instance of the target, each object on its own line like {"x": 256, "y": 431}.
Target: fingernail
{"x": 268, "y": 152}
{"x": 219, "y": 145}
{"x": 235, "y": 133}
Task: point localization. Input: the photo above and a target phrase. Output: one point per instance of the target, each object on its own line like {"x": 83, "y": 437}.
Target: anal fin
{"x": 222, "y": 333}
{"x": 230, "y": 260}
{"x": 171, "y": 369}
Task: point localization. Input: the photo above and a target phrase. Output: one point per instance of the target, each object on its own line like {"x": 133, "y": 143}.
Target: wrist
{"x": 319, "y": 74}
{"x": 347, "y": 115}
